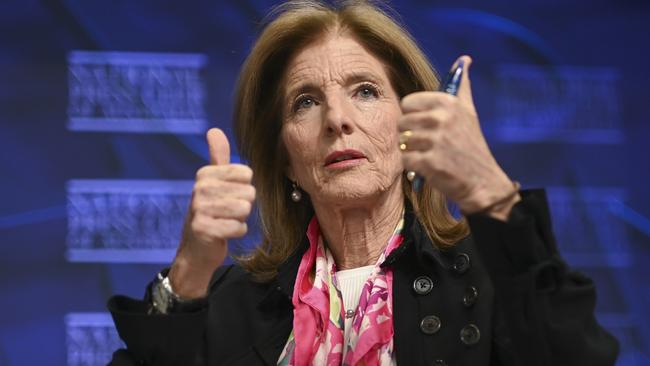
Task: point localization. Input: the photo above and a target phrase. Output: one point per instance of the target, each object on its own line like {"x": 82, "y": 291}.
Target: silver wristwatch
{"x": 163, "y": 297}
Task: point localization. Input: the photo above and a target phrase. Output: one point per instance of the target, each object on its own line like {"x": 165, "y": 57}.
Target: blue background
{"x": 588, "y": 142}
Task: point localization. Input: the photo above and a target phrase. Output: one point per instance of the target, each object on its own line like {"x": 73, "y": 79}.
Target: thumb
{"x": 219, "y": 147}
{"x": 465, "y": 89}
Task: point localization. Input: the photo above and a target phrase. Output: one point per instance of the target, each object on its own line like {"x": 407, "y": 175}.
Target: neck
{"x": 357, "y": 235}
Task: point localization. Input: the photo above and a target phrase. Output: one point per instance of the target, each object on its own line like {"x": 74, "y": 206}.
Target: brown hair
{"x": 258, "y": 119}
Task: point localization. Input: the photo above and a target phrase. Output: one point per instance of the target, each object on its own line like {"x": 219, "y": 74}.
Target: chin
{"x": 351, "y": 193}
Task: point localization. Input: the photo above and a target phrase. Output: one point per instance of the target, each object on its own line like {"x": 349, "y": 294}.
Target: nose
{"x": 337, "y": 117}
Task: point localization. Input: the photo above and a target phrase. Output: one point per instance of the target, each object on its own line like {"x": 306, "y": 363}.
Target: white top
{"x": 351, "y": 283}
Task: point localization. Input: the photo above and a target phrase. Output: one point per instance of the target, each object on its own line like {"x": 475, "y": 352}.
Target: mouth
{"x": 342, "y": 156}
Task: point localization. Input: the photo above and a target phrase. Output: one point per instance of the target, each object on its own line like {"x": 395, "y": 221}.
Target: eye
{"x": 303, "y": 102}
{"x": 367, "y": 91}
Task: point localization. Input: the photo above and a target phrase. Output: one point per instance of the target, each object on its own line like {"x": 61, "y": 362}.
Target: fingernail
{"x": 460, "y": 62}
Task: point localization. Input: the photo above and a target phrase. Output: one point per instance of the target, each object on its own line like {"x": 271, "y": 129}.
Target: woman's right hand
{"x": 222, "y": 199}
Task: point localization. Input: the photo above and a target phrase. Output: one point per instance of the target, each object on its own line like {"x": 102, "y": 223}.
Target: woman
{"x": 334, "y": 106}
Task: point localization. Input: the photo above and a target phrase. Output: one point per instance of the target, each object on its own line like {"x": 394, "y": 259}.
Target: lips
{"x": 342, "y": 155}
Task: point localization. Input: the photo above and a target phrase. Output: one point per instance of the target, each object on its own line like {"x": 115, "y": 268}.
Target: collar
{"x": 416, "y": 241}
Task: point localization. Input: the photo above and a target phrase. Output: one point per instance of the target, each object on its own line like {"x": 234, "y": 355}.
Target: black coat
{"x": 502, "y": 296}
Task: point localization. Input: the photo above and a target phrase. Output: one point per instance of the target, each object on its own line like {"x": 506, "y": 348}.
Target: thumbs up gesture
{"x": 222, "y": 199}
{"x": 445, "y": 145}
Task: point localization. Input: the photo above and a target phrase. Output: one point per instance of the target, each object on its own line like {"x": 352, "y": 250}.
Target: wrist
{"x": 501, "y": 211}
{"x": 189, "y": 281}
{"x": 495, "y": 202}
{"x": 165, "y": 301}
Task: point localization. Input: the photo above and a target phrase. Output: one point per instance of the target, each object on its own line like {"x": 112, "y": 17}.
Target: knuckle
{"x": 242, "y": 173}
{"x": 197, "y": 226}
{"x": 405, "y": 122}
{"x": 248, "y": 192}
{"x": 441, "y": 117}
{"x": 405, "y": 102}
{"x": 430, "y": 118}
{"x": 195, "y": 206}
{"x": 202, "y": 188}
{"x": 199, "y": 187}
{"x": 203, "y": 172}
{"x": 247, "y": 172}
{"x": 227, "y": 170}
{"x": 246, "y": 207}
{"x": 411, "y": 101}
{"x": 223, "y": 172}
{"x": 241, "y": 229}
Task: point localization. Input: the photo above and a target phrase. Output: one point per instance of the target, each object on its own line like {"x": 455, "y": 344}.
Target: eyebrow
{"x": 352, "y": 77}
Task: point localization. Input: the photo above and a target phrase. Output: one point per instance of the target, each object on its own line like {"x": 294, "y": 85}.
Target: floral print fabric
{"x": 317, "y": 336}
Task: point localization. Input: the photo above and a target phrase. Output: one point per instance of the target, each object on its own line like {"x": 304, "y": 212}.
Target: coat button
{"x": 470, "y": 334}
{"x": 430, "y": 324}
{"x": 422, "y": 285}
{"x": 471, "y": 294}
{"x": 439, "y": 363}
{"x": 461, "y": 263}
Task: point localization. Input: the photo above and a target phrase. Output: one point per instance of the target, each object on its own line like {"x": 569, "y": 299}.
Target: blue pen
{"x": 450, "y": 86}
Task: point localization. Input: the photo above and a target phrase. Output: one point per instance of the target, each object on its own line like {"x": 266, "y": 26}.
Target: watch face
{"x": 160, "y": 297}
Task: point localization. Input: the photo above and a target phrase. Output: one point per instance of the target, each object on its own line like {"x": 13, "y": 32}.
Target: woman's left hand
{"x": 448, "y": 149}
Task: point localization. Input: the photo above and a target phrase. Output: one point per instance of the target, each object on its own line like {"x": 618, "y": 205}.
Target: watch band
{"x": 165, "y": 301}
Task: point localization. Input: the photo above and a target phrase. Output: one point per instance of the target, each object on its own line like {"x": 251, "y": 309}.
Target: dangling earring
{"x": 410, "y": 175}
{"x": 296, "y": 196}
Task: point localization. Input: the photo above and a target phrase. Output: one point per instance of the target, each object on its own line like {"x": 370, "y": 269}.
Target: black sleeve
{"x": 177, "y": 338}
{"x": 545, "y": 311}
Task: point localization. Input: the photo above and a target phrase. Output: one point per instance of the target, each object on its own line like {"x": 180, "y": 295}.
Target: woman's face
{"x": 340, "y": 122}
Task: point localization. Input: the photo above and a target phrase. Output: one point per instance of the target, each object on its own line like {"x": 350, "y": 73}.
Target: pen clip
{"x": 452, "y": 81}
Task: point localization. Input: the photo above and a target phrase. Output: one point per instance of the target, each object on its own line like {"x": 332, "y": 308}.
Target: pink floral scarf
{"x": 317, "y": 336}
